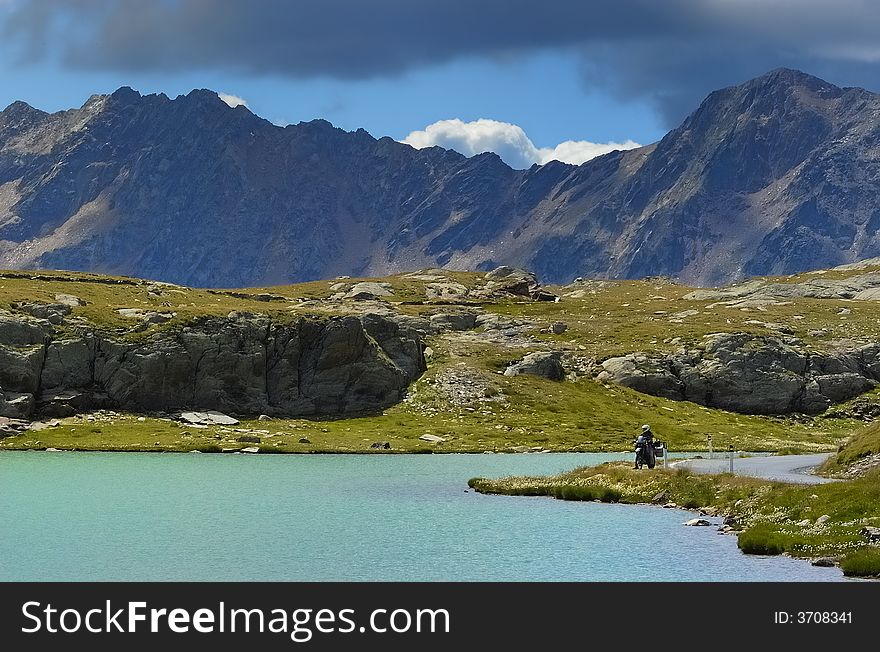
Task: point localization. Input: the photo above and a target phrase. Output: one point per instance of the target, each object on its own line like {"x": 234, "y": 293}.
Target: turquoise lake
{"x": 141, "y": 516}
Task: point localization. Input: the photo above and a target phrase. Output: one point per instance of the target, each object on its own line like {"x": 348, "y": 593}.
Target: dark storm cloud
{"x": 338, "y": 38}
{"x": 671, "y": 51}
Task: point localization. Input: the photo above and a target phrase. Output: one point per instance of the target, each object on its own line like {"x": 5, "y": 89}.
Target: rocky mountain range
{"x": 775, "y": 176}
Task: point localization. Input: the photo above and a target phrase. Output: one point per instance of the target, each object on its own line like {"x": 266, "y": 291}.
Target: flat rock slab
{"x": 432, "y": 438}
{"x": 42, "y": 425}
{"x": 69, "y": 300}
{"x": 209, "y": 418}
{"x": 369, "y": 288}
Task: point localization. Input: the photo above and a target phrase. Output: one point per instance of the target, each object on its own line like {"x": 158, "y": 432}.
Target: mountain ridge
{"x": 773, "y": 176}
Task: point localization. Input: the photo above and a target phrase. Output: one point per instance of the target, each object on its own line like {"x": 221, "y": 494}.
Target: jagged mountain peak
{"x": 18, "y": 116}
{"x": 126, "y": 97}
{"x": 779, "y": 92}
{"x": 204, "y": 97}
{"x": 775, "y": 175}
{"x": 788, "y": 77}
{"x": 126, "y": 94}
{"x": 20, "y": 107}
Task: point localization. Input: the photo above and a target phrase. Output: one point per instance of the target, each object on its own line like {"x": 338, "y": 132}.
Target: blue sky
{"x": 510, "y": 76}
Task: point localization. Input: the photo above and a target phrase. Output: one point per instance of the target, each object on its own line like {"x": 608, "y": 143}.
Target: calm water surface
{"x": 140, "y": 516}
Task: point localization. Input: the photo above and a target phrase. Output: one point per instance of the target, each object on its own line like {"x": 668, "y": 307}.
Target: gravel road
{"x": 782, "y": 468}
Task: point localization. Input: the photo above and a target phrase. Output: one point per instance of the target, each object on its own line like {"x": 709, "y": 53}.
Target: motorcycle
{"x": 646, "y": 454}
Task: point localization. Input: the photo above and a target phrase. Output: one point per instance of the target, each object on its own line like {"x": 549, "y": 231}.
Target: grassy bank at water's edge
{"x": 861, "y": 449}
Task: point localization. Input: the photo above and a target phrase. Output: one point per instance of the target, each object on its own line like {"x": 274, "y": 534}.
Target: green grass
{"x": 861, "y": 563}
{"x": 776, "y": 539}
{"x": 775, "y": 519}
{"x": 625, "y": 316}
{"x": 619, "y": 482}
{"x": 851, "y": 501}
{"x": 586, "y": 415}
{"x": 866, "y": 441}
{"x": 763, "y": 540}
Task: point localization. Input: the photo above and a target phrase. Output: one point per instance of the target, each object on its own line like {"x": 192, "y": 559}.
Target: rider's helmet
{"x": 646, "y": 428}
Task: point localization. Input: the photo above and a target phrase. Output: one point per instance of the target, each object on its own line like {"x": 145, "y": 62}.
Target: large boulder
{"x": 745, "y": 373}
{"x": 456, "y": 321}
{"x": 54, "y": 313}
{"x": 16, "y": 405}
{"x": 345, "y": 370}
{"x": 546, "y": 364}
{"x": 861, "y": 287}
{"x": 20, "y": 368}
{"x": 17, "y": 330}
{"x": 399, "y": 342}
{"x": 446, "y": 290}
{"x": 512, "y": 281}
{"x": 843, "y": 386}
{"x": 412, "y": 323}
{"x": 213, "y": 418}
{"x": 506, "y": 273}
{"x": 369, "y": 291}
{"x": 69, "y": 300}
{"x": 644, "y": 374}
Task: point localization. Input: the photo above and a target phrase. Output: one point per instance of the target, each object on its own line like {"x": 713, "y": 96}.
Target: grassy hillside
{"x": 499, "y": 413}
{"x": 610, "y": 318}
{"x": 858, "y": 455}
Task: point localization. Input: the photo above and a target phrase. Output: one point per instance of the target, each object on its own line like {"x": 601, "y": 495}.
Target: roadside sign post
{"x": 731, "y": 458}
{"x": 709, "y": 437}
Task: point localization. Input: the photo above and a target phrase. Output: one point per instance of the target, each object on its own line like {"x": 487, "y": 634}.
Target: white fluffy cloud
{"x": 232, "y": 100}
{"x": 507, "y": 140}
{"x": 580, "y": 151}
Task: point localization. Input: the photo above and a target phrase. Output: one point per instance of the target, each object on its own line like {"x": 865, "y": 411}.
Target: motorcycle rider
{"x": 645, "y": 439}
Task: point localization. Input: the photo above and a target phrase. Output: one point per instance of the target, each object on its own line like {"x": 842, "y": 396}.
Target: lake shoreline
{"x": 769, "y": 517}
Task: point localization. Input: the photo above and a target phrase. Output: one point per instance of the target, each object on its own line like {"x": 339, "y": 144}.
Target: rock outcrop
{"x": 862, "y": 287}
{"x": 519, "y": 282}
{"x": 458, "y": 321}
{"x": 751, "y": 374}
{"x": 241, "y": 364}
{"x": 546, "y": 364}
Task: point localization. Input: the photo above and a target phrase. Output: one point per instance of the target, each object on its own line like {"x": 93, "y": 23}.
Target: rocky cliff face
{"x": 243, "y": 364}
{"x": 751, "y": 374}
{"x": 777, "y": 175}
